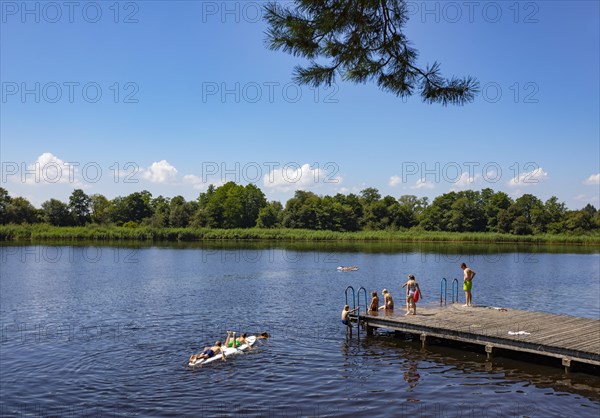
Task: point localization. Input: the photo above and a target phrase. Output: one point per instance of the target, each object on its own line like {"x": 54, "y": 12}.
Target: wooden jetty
{"x": 567, "y": 340}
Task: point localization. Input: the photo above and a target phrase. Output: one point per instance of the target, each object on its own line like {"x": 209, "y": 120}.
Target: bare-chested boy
{"x": 468, "y": 275}
{"x": 346, "y": 311}
{"x": 208, "y": 353}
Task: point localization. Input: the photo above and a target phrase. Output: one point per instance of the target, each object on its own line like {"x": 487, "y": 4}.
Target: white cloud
{"x": 423, "y": 184}
{"x": 49, "y": 169}
{"x": 160, "y": 172}
{"x": 394, "y": 181}
{"x": 194, "y": 180}
{"x": 198, "y": 184}
{"x": 295, "y": 177}
{"x": 594, "y": 179}
{"x": 465, "y": 181}
{"x": 530, "y": 178}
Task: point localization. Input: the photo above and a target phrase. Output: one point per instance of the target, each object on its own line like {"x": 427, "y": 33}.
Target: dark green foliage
{"x": 56, "y": 213}
{"x": 376, "y": 215}
{"x": 229, "y": 206}
{"x": 4, "y": 202}
{"x": 492, "y": 204}
{"x": 237, "y": 207}
{"x": 409, "y": 209}
{"x": 526, "y": 215}
{"x": 579, "y": 222}
{"x": 80, "y": 207}
{"x": 101, "y": 209}
{"x": 354, "y": 216}
{"x": 134, "y": 207}
{"x": 486, "y": 211}
{"x": 301, "y": 211}
{"x": 270, "y": 216}
{"x": 306, "y": 210}
{"x": 19, "y": 210}
{"x": 363, "y": 40}
{"x": 161, "y": 212}
{"x": 180, "y": 212}
{"x": 437, "y": 216}
{"x": 370, "y": 195}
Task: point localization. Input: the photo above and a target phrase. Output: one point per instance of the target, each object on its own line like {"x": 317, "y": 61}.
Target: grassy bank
{"x": 112, "y": 233}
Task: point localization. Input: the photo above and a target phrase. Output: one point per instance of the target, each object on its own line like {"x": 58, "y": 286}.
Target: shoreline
{"x": 42, "y": 233}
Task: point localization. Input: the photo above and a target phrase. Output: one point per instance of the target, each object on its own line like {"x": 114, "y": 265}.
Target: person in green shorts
{"x": 238, "y": 341}
{"x": 468, "y": 275}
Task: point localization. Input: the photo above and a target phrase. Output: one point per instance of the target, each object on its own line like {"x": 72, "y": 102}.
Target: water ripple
{"x": 108, "y": 338}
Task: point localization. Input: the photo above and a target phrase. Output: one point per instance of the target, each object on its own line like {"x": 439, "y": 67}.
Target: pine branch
{"x": 363, "y": 41}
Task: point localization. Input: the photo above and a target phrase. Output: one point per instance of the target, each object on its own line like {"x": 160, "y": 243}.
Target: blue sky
{"x": 170, "y": 96}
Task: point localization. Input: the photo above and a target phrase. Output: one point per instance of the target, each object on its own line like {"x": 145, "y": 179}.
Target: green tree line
{"x": 236, "y": 206}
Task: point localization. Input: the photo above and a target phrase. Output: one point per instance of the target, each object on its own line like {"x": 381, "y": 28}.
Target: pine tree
{"x": 362, "y": 40}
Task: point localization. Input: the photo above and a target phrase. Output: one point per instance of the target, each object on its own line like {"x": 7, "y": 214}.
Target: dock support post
{"x": 423, "y": 340}
{"x": 488, "y": 350}
{"x": 567, "y": 363}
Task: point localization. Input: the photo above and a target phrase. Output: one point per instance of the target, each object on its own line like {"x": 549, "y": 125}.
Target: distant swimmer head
{"x": 411, "y": 277}
{"x": 218, "y": 343}
{"x": 264, "y": 335}
{"x": 374, "y": 293}
{"x": 346, "y": 307}
{"x": 244, "y": 335}
{"x": 384, "y": 291}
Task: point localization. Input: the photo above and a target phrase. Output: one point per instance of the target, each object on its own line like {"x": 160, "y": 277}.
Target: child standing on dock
{"x": 468, "y": 275}
{"x": 413, "y": 292}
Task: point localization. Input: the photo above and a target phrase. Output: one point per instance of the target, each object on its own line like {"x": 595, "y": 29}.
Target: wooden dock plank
{"x": 589, "y": 347}
{"x": 549, "y": 334}
{"x": 568, "y": 338}
{"x": 546, "y": 332}
{"x": 574, "y": 340}
{"x": 567, "y": 334}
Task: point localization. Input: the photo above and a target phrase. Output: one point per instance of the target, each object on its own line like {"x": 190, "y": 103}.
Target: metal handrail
{"x": 455, "y": 281}
{"x": 443, "y": 291}
{"x": 365, "y": 293}
{"x": 353, "y": 297}
{"x": 358, "y": 311}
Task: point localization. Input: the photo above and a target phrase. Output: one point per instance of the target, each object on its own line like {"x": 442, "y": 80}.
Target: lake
{"x": 107, "y": 330}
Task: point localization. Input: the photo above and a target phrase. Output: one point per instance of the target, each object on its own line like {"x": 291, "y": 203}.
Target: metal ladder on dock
{"x": 444, "y": 291}
{"x": 354, "y": 300}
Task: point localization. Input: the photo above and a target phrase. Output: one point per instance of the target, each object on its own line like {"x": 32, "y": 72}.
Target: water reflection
{"x": 418, "y": 364}
{"x": 374, "y": 247}
{"x": 411, "y": 375}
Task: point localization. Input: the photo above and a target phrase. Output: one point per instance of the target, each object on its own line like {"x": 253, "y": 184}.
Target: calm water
{"x": 106, "y": 331}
